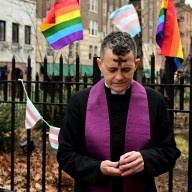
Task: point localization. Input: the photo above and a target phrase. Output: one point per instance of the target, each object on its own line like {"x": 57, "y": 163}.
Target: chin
{"x": 118, "y": 90}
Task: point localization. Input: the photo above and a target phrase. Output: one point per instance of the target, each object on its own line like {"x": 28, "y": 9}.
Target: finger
{"x": 129, "y": 165}
{"x": 132, "y": 168}
{"x": 114, "y": 164}
{"x": 133, "y": 165}
{"x": 140, "y": 169}
{"x": 110, "y": 163}
{"x": 124, "y": 156}
{"x": 110, "y": 168}
{"x": 131, "y": 171}
{"x": 129, "y": 157}
{"x": 114, "y": 171}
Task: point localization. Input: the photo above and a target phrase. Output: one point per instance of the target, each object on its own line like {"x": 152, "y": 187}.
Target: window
{"x": 90, "y": 51}
{"x": 93, "y": 28}
{"x": 123, "y": 2}
{"x": 95, "y": 51}
{"x": 3, "y": 74}
{"x": 77, "y": 48}
{"x": 104, "y": 30}
{"x": 71, "y": 50}
{"x": 104, "y": 7}
{"x": 15, "y": 33}
{"x": 27, "y": 35}
{"x": 93, "y": 5}
{"x": 2, "y": 30}
{"x": 49, "y": 50}
{"x": 110, "y": 9}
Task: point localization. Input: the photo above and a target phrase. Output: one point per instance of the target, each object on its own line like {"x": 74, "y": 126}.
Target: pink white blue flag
{"x": 126, "y": 20}
{"x": 53, "y": 136}
{"x": 32, "y": 115}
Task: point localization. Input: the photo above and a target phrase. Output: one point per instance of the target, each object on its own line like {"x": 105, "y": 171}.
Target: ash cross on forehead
{"x": 119, "y": 61}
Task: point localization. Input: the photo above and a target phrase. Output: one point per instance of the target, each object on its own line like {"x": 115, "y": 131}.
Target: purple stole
{"x": 97, "y": 130}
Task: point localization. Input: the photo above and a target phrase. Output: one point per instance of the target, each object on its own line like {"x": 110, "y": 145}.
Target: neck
{"x": 116, "y": 93}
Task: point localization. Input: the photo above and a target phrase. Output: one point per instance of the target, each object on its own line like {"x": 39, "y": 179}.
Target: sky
{"x": 188, "y": 2}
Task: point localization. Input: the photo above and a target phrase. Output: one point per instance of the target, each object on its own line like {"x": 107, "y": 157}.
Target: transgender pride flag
{"x": 53, "y": 136}
{"x": 126, "y": 20}
{"x": 32, "y": 115}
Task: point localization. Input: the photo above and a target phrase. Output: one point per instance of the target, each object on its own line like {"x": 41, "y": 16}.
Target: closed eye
{"x": 126, "y": 70}
{"x": 112, "y": 70}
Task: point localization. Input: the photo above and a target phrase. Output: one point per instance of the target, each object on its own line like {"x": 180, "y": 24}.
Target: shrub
{"x": 5, "y": 122}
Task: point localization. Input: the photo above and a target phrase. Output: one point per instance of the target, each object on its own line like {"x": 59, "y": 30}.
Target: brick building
{"x": 17, "y": 32}
{"x": 96, "y": 24}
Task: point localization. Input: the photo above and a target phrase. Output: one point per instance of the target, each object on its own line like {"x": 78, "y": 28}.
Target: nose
{"x": 119, "y": 76}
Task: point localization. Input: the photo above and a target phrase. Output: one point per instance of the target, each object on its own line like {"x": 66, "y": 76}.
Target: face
{"x": 118, "y": 75}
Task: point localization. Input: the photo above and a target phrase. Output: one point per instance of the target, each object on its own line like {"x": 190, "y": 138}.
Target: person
{"x": 117, "y": 136}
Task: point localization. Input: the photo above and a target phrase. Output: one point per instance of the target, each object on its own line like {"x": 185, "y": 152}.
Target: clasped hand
{"x": 129, "y": 163}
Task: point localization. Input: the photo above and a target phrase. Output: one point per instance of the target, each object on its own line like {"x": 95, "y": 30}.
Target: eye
{"x": 125, "y": 70}
{"x": 112, "y": 70}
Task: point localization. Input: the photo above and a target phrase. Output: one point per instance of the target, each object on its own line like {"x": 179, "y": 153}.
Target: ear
{"x": 137, "y": 62}
{"x": 99, "y": 63}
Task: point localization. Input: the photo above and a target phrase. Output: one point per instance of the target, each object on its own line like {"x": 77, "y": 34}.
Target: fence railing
{"x": 56, "y": 91}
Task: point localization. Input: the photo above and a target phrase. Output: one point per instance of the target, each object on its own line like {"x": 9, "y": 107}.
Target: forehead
{"x": 111, "y": 59}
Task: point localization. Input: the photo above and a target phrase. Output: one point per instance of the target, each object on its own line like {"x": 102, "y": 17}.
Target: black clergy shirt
{"x": 72, "y": 153}
{"x": 118, "y": 109}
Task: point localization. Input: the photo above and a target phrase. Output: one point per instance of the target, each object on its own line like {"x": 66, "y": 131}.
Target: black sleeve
{"x": 72, "y": 155}
{"x": 163, "y": 153}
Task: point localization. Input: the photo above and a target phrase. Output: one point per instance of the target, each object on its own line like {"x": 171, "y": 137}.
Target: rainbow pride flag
{"x": 62, "y": 25}
{"x": 168, "y": 35}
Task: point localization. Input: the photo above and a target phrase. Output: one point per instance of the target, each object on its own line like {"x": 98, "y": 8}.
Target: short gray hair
{"x": 121, "y": 44}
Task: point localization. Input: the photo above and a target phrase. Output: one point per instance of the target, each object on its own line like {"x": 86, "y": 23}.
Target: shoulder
{"x": 155, "y": 97}
{"x": 82, "y": 93}
{"x": 153, "y": 92}
{"x": 80, "y": 97}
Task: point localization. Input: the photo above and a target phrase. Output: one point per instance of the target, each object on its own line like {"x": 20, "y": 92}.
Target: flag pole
{"x": 23, "y": 87}
{"x": 190, "y": 130}
{"x": 46, "y": 122}
{"x": 169, "y": 71}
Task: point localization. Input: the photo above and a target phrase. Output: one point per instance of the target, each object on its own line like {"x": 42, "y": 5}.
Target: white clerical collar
{"x": 116, "y": 93}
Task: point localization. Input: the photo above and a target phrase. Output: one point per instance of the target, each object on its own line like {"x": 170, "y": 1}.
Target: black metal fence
{"x": 56, "y": 91}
